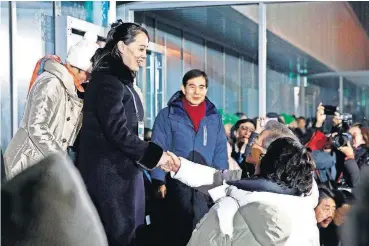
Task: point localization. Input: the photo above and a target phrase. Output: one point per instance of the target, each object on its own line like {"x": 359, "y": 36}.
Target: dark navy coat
{"x": 173, "y": 131}
{"x": 110, "y": 149}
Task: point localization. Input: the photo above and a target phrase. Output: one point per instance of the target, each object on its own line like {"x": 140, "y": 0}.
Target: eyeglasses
{"x": 245, "y": 128}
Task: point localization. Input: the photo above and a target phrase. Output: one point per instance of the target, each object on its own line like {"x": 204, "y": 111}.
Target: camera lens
{"x": 340, "y": 140}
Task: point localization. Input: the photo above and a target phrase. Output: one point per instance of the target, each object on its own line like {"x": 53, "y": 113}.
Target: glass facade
{"x": 150, "y": 81}
{"x": 230, "y": 56}
{"x": 303, "y": 39}
{"x": 249, "y": 88}
{"x": 5, "y": 100}
{"x": 299, "y": 54}
{"x": 215, "y": 71}
{"x": 193, "y": 52}
{"x": 91, "y": 11}
{"x": 34, "y": 39}
{"x": 233, "y": 84}
{"x": 170, "y": 38}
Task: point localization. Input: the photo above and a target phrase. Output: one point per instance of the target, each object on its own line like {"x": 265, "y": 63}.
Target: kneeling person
{"x": 274, "y": 208}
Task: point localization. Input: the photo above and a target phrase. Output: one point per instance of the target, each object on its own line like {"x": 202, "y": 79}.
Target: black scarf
{"x": 262, "y": 185}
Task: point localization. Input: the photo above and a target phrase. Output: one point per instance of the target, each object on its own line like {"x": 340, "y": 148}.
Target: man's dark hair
{"x": 288, "y": 164}
{"x": 301, "y": 118}
{"x": 325, "y": 192}
{"x": 240, "y": 122}
{"x": 194, "y": 73}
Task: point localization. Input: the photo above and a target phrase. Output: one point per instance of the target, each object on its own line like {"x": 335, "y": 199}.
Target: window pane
{"x": 149, "y": 91}
{"x": 279, "y": 93}
{"x": 193, "y": 52}
{"x": 5, "y": 120}
{"x": 92, "y": 11}
{"x": 34, "y": 39}
{"x": 159, "y": 83}
{"x": 249, "y": 88}
{"x": 317, "y": 40}
{"x": 172, "y": 38}
{"x": 215, "y": 73}
{"x": 232, "y": 82}
{"x": 147, "y": 22}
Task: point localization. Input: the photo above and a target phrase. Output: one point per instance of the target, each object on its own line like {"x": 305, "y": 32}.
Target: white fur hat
{"x": 80, "y": 55}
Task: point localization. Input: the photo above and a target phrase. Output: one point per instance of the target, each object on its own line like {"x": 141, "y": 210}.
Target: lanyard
{"x": 146, "y": 173}
{"x": 134, "y": 102}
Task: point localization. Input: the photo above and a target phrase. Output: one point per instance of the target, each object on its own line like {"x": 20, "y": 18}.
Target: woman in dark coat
{"x": 111, "y": 153}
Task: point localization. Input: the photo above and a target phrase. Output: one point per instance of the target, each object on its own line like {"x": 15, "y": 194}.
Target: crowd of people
{"x": 82, "y": 168}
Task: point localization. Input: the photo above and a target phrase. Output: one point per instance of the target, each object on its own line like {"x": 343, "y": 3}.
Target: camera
{"x": 345, "y": 117}
{"x": 342, "y": 140}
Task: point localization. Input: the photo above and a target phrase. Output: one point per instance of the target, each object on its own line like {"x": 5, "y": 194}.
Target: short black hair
{"x": 301, "y": 118}
{"x": 325, "y": 191}
{"x": 288, "y": 163}
{"x": 194, "y": 73}
{"x": 240, "y": 122}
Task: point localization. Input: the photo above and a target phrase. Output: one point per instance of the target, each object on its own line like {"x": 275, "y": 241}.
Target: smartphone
{"x": 330, "y": 110}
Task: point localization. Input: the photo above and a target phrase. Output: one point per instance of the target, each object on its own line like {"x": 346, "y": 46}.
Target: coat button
{"x": 68, "y": 119}
{"x": 64, "y": 140}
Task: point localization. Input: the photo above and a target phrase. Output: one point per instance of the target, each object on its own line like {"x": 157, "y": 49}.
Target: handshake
{"x": 169, "y": 162}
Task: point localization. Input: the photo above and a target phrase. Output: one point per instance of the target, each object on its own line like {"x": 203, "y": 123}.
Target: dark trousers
{"x": 177, "y": 215}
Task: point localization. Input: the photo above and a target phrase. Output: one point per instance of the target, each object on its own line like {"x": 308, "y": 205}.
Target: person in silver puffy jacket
{"x": 52, "y": 116}
{"x": 273, "y": 208}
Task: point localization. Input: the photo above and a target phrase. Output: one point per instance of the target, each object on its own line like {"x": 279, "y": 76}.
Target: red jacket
{"x": 317, "y": 141}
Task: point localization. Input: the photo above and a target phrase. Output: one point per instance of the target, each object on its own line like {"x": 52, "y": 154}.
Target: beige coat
{"x": 241, "y": 217}
{"x": 51, "y": 120}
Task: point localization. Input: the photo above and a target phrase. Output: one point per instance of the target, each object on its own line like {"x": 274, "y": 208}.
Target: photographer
{"x": 340, "y": 127}
{"x": 356, "y": 154}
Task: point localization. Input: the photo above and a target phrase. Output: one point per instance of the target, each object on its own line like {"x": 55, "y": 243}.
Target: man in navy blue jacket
{"x": 190, "y": 127}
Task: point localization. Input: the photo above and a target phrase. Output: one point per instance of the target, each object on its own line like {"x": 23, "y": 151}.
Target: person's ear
{"x": 121, "y": 47}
